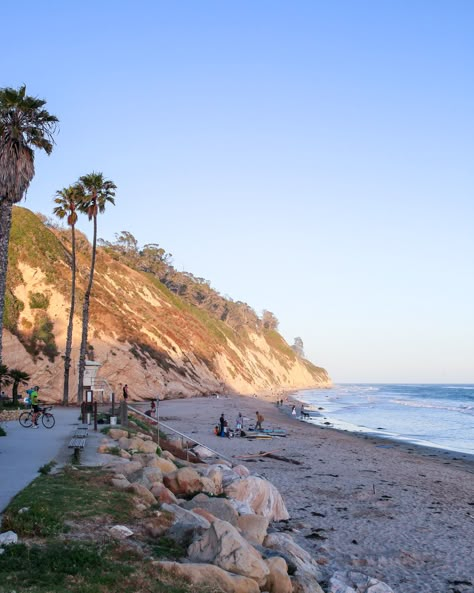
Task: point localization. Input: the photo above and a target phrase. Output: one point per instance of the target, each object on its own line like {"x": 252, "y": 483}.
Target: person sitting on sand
{"x": 258, "y": 425}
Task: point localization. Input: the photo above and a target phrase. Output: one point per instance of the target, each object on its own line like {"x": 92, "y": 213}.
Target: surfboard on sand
{"x": 257, "y": 435}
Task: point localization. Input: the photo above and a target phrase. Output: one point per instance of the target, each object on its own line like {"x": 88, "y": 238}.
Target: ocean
{"x": 440, "y": 416}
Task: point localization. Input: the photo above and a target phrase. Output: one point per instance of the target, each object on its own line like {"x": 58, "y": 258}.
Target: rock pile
{"x": 225, "y": 518}
{"x": 7, "y": 415}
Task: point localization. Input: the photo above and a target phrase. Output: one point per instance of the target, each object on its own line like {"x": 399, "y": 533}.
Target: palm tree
{"x": 24, "y": 127}
{"x": 18, "y": 377}
{"x": 96, "y": 192}
{"x": 68, "y": 200}
{"x": 5, "y": 378}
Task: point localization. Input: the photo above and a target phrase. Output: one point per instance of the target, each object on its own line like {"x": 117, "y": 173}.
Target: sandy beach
{"x": 401, "y": 513}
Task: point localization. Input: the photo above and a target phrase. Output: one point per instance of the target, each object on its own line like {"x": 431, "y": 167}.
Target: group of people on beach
{"x": 223, "y": 429}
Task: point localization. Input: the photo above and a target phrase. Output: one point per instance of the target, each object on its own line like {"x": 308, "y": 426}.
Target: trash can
{"x": 113, "y": 420}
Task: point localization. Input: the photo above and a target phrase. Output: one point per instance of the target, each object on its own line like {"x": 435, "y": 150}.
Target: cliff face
{"x": 140, "y": 332}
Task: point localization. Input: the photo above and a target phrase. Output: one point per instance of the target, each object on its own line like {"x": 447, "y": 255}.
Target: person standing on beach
{"x": 222, "y": 424}
{"x": 239, "y": 424}
{"x": 293, "y": 411}
{"x": 258, "y": 425}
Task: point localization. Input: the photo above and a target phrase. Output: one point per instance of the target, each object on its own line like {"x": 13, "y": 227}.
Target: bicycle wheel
{"x": 26, "y": 419}
{"x": 48, "y": 420}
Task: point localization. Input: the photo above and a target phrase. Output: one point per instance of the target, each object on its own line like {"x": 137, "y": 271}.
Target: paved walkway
{"x": 24, "y": 450}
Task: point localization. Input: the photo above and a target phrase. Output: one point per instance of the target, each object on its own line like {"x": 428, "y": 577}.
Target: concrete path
{"x": 24, "y": 450}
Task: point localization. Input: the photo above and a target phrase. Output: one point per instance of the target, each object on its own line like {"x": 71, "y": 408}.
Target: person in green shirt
{"x": 35, "y": 405}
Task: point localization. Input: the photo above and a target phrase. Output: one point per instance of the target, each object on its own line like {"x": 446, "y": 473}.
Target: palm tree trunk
{"x": 67, "y": 355}
{"x": 5, "y": 225}
{"x": 85, "y": 319}
{"x": 15, "y": 392}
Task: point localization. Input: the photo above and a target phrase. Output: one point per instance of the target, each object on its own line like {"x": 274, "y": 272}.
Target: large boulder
{"x": 168, "y": 455}
{"x": 187, "y": 526}
{"x": 153, "y": 474}
{"x": 253, "y": 527}
{"x": 162, "y": 494}
{"x": 223, "y": 545}
{"x": 142, "y": 493}
{"x": 215, "y": 474}
{"x": 117, "y": 433}
{"x": 122, "y": 466}
{"x": 356, "y": 582}
{"x": 148, "y": 446}
{"x": 166, "y": 465}
{"x": 278, "y": 580}
{"x": 242, "y": 507}
{"x": 144, "y": 437}
{"x": 219, "y": 507}
{"x": 241, "y": 471}
{"x": 202, "y": 452}
{"x": 207, "y": 485}
{"x": 306, "y": 572}
{"x": 183, "y": 482}
{"x": 137, "y": 444}
{"x": 208, "y": 575}
{"x": 121, "y": 483}
{"x": 261, "y": 495}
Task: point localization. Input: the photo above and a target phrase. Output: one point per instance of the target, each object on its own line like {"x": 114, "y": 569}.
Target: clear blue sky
{"x": 311, "y": 158}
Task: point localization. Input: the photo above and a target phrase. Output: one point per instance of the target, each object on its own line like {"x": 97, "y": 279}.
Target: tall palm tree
{"x": 68, "y": 201}
{"x": 18, "y": 377}
{"x": 96, "y": 192}
{"x": 24, "y": 127}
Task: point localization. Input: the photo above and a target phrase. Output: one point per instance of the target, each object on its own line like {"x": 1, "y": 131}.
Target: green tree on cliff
{"x": 96, "y": 193}
{"x": 24, "y": 127}
{"x": 68, "y": 200}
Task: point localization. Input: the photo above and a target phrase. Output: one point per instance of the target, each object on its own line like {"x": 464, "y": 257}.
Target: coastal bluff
{"x": 158, "y": 331}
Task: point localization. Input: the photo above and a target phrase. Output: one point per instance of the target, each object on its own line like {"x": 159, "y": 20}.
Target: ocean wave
{"x": 418, "y": 404}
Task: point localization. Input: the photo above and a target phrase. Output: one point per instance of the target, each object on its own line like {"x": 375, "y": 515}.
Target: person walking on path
{"x": 258, "y": 425}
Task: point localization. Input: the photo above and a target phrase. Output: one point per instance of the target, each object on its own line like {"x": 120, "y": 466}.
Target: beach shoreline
{"x": 400, "y": 512}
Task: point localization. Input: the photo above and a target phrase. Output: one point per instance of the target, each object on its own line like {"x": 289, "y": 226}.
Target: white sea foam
{"x": 433, "y": 415}
{"x": 463, "y": 409}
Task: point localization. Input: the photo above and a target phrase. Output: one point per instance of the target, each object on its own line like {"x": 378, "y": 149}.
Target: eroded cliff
{"x": 141, "y": 332}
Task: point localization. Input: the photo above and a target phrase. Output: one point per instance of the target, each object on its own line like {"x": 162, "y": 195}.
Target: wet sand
{"x": 401, "y": 513}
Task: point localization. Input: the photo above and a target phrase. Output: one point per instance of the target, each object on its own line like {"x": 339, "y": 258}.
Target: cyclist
{"x": 34, "y": 403}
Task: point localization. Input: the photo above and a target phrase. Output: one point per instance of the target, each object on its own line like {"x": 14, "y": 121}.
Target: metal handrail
{"x": 181, "y": 434}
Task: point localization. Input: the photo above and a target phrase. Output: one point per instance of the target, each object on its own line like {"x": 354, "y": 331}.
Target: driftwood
{"x": 287, "y": 459}
{"x": 272, "y": 455}
{"x": 261, "y": 454}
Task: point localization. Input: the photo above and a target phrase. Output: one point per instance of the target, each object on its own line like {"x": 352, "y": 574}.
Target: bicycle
{"x": 26, "y": 418}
